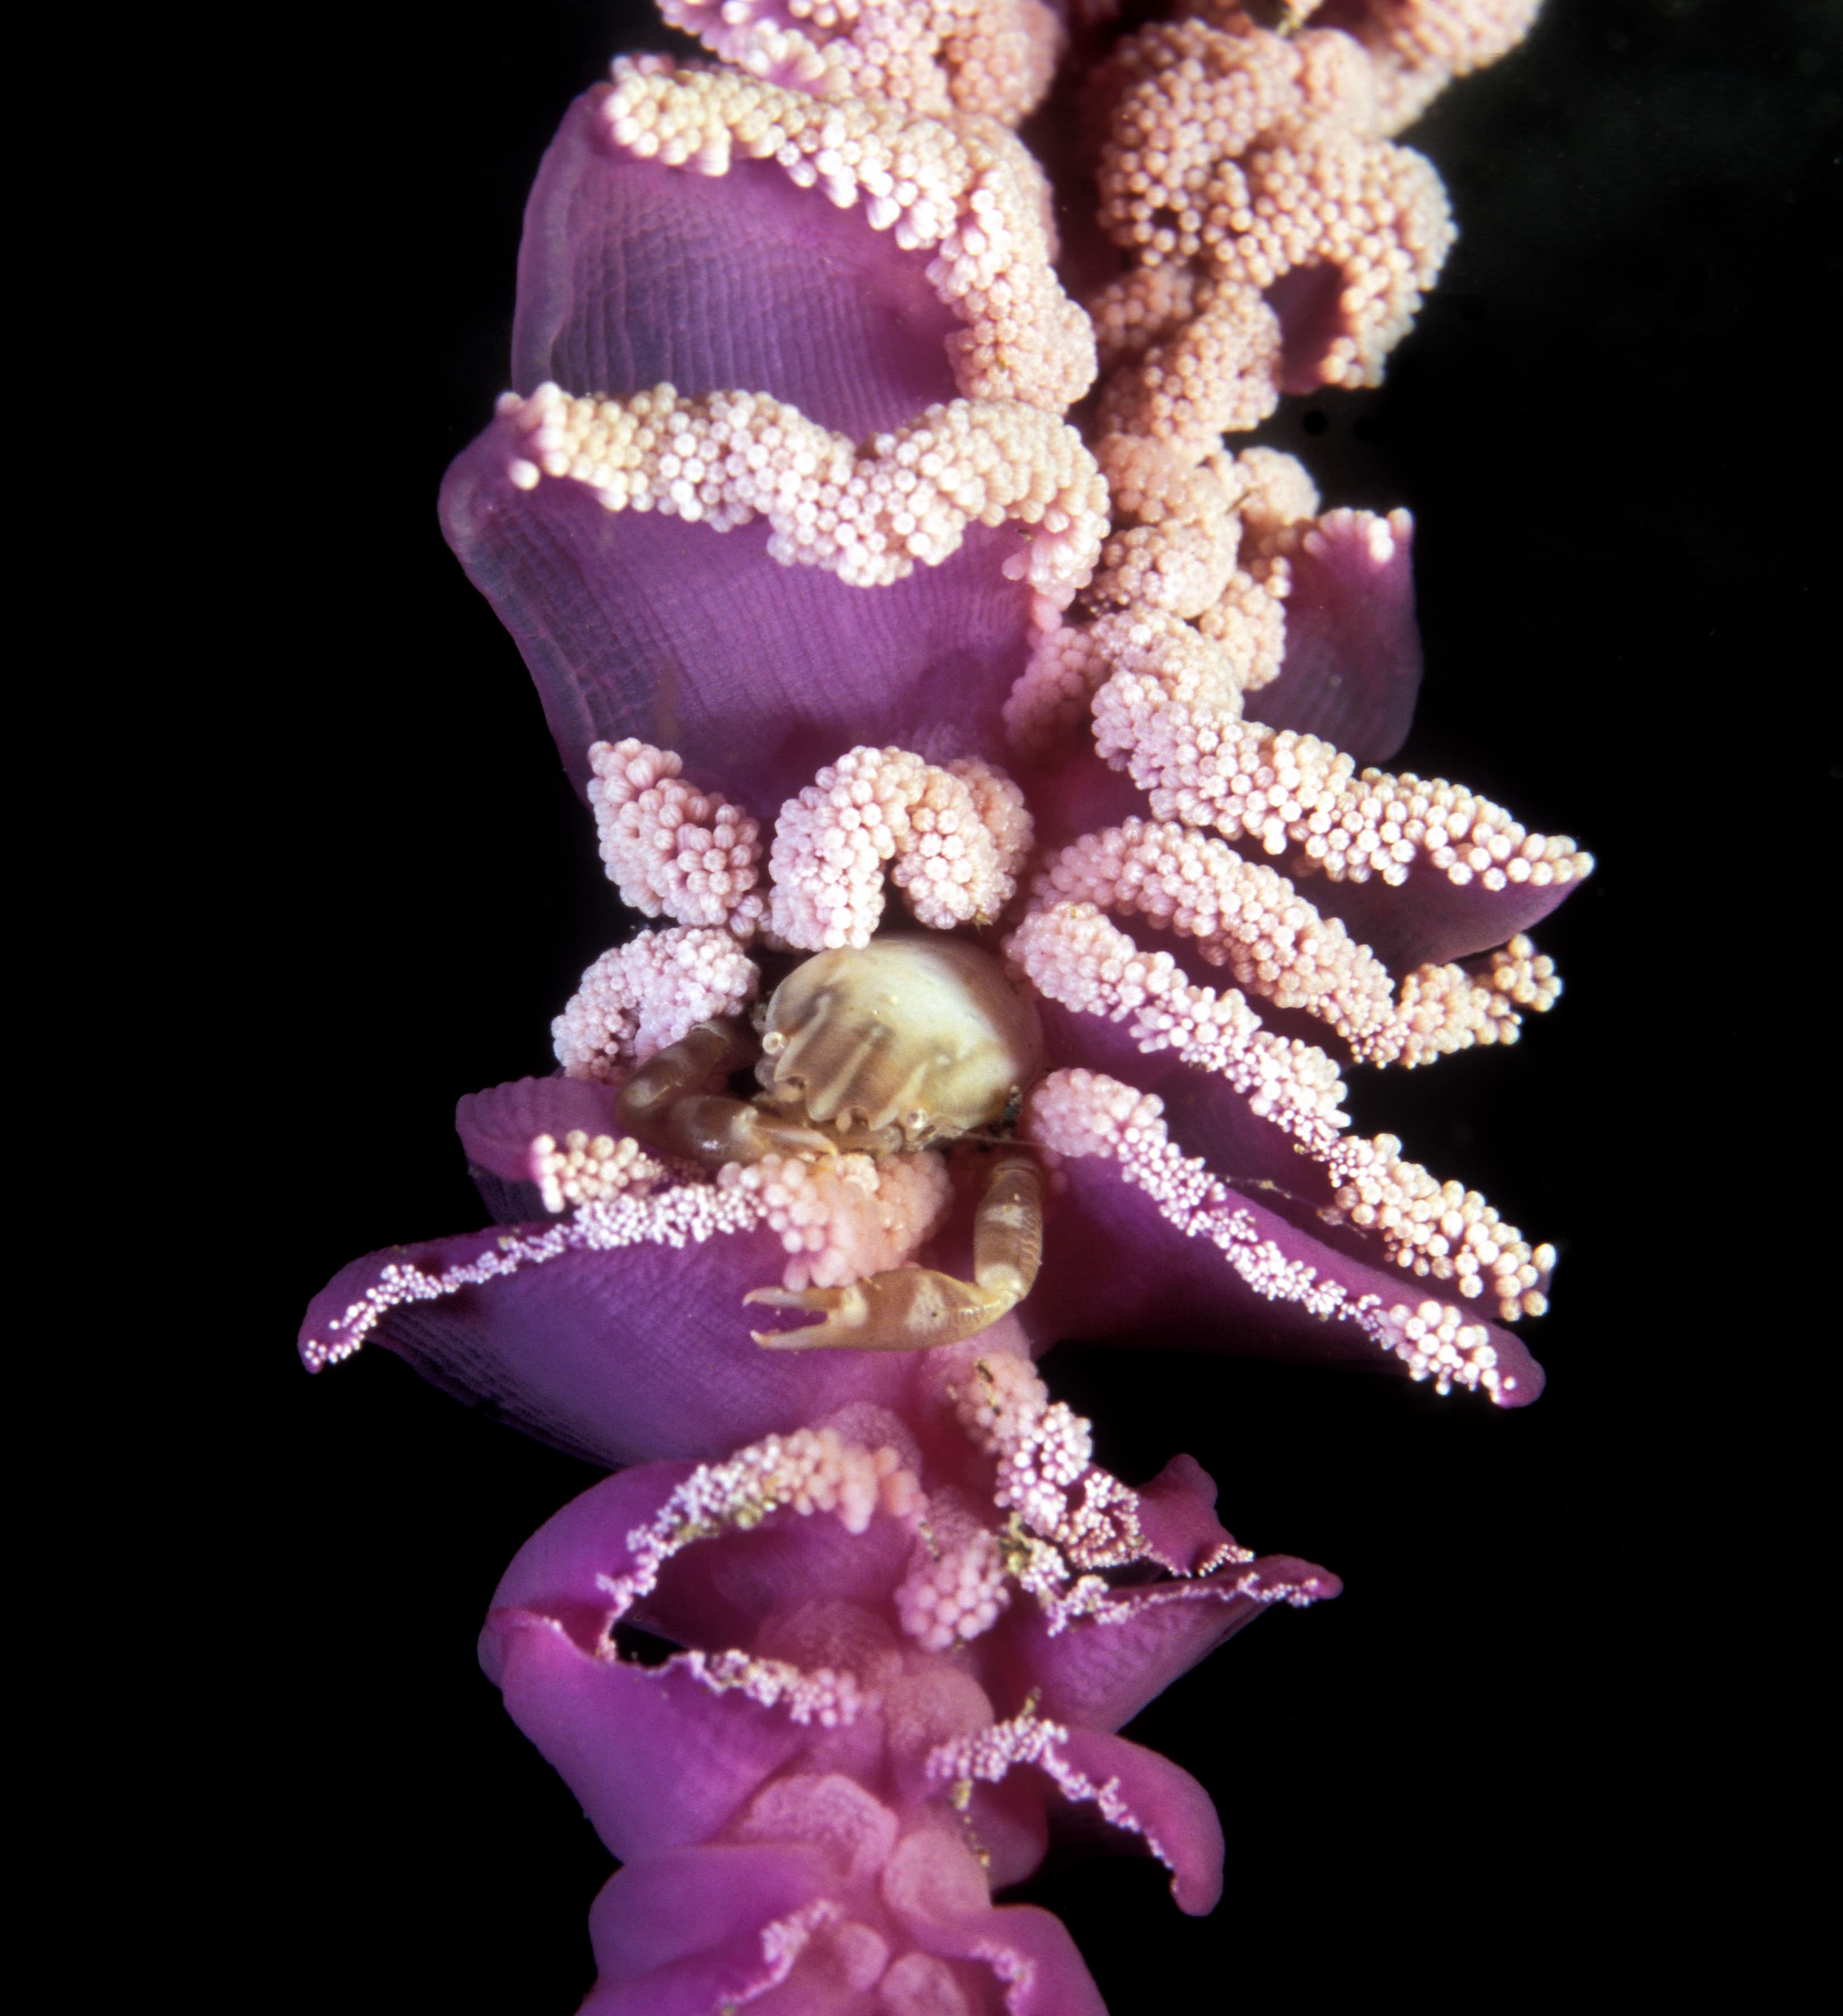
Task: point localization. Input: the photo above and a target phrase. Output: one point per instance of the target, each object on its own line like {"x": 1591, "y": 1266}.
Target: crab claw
{"x": 912, "y": 1309}
{"x": 909, "y": 1308}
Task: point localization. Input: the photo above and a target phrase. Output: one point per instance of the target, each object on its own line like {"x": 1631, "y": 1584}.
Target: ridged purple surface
{"x": 632, "y": 274}
{"x": 695, "y": 640}
{"x": 1353, "y": 661}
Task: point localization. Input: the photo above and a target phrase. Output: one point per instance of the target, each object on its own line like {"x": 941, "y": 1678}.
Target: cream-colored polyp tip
{"x": 907, "y": 1023}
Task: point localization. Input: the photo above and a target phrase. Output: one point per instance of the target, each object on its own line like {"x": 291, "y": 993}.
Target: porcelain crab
{"x": 911, "y": 1042}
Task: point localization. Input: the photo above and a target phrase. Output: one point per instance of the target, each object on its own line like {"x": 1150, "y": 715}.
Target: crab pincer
{"x": 913, "y": 1308}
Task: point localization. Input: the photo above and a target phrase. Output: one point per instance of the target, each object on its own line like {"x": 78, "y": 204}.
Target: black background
{"x": 1507, "y": 1741}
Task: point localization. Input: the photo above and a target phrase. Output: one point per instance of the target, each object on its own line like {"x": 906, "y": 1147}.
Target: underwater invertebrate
{"x": 905, "y": 1637}
{"x": 993, "y": 57}
{"x": 910, "y": 586}
{"x": 1302, "y": 240}
{"x": 882, "y": 1051}
{"x": 1306, "y": 1241}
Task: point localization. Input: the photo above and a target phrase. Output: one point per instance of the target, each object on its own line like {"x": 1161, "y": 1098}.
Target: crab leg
{"x": 911, "y": 1308}
{"x": 665, "y": 1105}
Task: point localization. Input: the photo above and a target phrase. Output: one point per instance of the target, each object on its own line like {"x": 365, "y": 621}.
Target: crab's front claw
{"x": 909, "y": 1308}
{"x": 913, "y": 1308}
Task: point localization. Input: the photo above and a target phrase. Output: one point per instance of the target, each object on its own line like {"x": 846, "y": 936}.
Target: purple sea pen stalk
{"x": 787, "y": 517}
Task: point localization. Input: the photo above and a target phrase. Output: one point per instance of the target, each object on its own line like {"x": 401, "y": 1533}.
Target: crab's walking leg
{"x": 911, "y": 1308}
{"x": 664, "y": 1103}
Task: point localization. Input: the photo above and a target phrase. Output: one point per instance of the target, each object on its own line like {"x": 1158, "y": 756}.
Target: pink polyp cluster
{"x": 997, "y": 1405}
{"x": 1080, "y": 1114}
{"x": 1240, "y": 913}
{"x": 843, "y": 1220}
{"x": 1070, "y": 663}
{"x": 812, "y": 1469}
{"x": 867, "y": 515}
{"x": 1439, "y": 1230}
{"x": 1213, "y": 371}
{"x": 669, "y": 849}
{"x": 1443, "y": 1230}
{"x": 585, "y": 1168}
{"x": 1279, "y": 242}
{"x": 1188, "y": 600}
{"x": 1248, "y": 157}
{"x": 991, "y": 57}
{"x": 1043, "y": 1449}
{"x": 647, "y": 993}
{"x": 1199, "y": 762}
{"x": 955, "y": 1589}
{"x": 1073, "y": 955}
{"x": 1177, "y": 535}
{"x": 958, "y": 187}
{"x": 952, "y": 840}
{"x": 1416, "y": 48}
{"x": 1244, "y": 915}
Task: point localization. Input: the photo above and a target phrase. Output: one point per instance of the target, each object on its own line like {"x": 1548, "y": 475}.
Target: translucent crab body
{"x": 908, "y": 1043}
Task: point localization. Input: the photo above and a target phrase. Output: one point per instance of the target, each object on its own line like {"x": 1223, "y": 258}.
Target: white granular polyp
{"x": 643, "y": 995}
{"x": 845, "y": 1219}
{"x": 1416, "y": 51}
{"x": 955, "y": 1588}
{"x": 1000, "y": 1403}
{"x": 1190, "y": 592}
{"x": 1250, "y": 155}
{"x": 668, "y": 847}
{"x": 1246, "y": 916}
{"x": 993, "y": 57}
{"x": 868, "y": 514}
{"x": 1070, "y": 664}
{"x": 1043, "y": 1449}
{"x": 1081, "y": 1114}
{"x": 585, "y": 1168}
{"x": 812, "y": 1469}
{"x": 1072, "y": 955}
{"x": 1441, "y": 1230}
{"x": 1201, "y": 763}
{"x": 952, "y": 840}
{"x": 684, "y": 1215}
{"x": 959, "y": 189}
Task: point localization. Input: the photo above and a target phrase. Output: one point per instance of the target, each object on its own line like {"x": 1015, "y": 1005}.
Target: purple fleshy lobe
{"x": 1115, "y": 1266}
{"x": 1306, "y": 300}
{"x": 1168, "y": 1806}
{"x": 682, "y": 1931}
{"x": 694, "y": 640}
{"x": 1353, "y": 659}
{"x": 640, "y": 1350}
{"x": 1178, "y": 1517}
{"x": 556, "y": 1574}
{"x": 798, "y": 1794}
{"x": 653, "y": 1762}
{"x": 1428, "y": 918}
{"x": 620, "y": 1356}
{"x": 632, "y": 273}
{"x": 1103, "y": 1679}
{"x": 498, "y": 1126}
